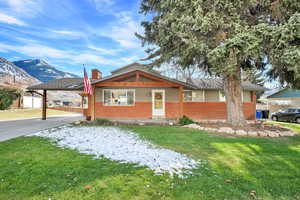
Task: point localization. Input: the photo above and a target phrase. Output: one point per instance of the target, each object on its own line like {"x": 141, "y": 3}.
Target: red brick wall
{"x": 143, "y": 110}
{"x": 172, "y": 110}
{"x": 214, "y": 110}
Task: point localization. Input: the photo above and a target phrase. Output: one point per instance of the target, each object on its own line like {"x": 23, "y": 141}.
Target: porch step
{"x": 158, "y": 117}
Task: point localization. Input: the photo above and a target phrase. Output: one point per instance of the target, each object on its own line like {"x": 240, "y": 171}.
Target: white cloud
{"x": 25, "y": 8}
{"x": 129, "y": 59}
{"x": 122, "y": 31}
{"x": 35, "y": 50}
{"x": 67, "y": 33}
{"x": 11, "y": 20}
{"x": 41, "y": 51}
{"x": 103, "y": 6}
{"x": 91, "y": 58}
{"x": 103, "y": 51}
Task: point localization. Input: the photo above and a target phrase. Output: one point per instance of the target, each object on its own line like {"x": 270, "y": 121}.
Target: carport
{"x": 63, "y": 84}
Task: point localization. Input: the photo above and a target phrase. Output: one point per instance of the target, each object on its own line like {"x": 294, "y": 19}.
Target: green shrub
{"x": 7, "y": 97}
{"x": 185, "y": 120}
{"x": 102, "y": 121}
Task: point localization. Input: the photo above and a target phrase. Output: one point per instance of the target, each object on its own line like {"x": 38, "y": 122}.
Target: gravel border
{"x": 123, "y": 146}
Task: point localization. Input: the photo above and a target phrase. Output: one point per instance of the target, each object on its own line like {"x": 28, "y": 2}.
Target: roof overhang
{"x": 63, "y": 84}
{"x": 159, "y": 76}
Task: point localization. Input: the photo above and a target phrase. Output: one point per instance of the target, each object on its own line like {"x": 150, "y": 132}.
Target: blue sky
{"x": 69, "y": 33}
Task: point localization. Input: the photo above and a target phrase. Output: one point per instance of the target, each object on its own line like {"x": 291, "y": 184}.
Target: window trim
{"x": 203, "y": 96}
{"x": 103, "y": 101}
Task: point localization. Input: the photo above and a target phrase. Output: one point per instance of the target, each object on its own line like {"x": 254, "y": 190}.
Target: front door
{"x": 158, "y": 103}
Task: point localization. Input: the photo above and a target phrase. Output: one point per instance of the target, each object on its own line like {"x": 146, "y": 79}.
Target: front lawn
{"x": 17, "y": 114}
{"x": 238, "y": 168}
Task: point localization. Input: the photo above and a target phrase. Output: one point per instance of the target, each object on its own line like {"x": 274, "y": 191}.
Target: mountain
{"x": 42, "y": 70}
{"x": 12, "y": 75}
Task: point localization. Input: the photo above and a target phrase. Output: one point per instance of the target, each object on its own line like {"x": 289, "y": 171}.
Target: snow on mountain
{"x": 42, "y": 70}
{"x": 11, "y": 74}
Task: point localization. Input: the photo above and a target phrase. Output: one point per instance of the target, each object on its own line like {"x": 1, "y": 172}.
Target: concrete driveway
{"x": 13, "y": 129}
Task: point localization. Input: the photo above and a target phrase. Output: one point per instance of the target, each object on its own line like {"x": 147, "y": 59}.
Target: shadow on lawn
{"x": 270, "y": 167}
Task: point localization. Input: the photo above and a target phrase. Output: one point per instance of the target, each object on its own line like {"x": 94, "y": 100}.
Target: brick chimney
{"x": 96, "y": 74}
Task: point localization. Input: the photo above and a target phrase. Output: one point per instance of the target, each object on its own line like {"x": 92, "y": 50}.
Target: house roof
{"x": 133, "y": 66}
{"x": 60, "y": 84}
{"x": 142, "y": 68}
{"x": 217, "y": 84}
{"x": 285, "y": 93}
{"x": 201, "y": 84}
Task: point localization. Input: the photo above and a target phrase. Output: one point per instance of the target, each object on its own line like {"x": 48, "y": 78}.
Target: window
{"x": 118, "y": 97}
{"x": 188, "y": 95}
{"x": 291, "y": 110}
{"x": 222, "y": 96}
{"x": 193, "y": 96}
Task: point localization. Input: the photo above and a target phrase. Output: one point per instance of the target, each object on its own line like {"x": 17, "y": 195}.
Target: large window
{"x": 118, "y": 97}
{"x": 193, "y": 95}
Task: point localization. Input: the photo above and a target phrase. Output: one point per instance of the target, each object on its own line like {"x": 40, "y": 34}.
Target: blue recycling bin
{"x": 258, "y": 114}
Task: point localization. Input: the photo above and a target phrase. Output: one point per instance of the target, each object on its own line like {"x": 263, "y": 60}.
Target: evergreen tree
{"x": 225, "y": 37}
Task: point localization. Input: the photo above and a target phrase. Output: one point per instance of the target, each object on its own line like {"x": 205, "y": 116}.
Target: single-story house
{"x": 137, "y": 92}
{"x": 282, "y": 99}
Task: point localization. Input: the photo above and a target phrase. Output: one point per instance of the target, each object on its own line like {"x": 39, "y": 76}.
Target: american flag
{"x": 87, "y": 83}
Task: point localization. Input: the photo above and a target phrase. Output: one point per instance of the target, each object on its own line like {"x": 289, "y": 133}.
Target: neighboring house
{"x": 284, "y": 98}
{"x": 32, "y": 101}
{"x": 137, "y": 92}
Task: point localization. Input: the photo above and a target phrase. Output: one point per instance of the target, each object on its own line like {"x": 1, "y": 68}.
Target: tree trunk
{"x": 233, "y": 93}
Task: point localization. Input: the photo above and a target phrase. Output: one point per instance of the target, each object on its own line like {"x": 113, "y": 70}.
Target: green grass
{"x": 295, "y": 127}
{"x": 33, "y": 168}
{"x": 29, "y": 113}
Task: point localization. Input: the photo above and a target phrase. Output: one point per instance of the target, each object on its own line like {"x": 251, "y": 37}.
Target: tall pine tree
{"x": 225, "y": 37}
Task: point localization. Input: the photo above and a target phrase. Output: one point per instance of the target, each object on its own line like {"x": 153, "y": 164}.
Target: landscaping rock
{"x": 262, "y": 134}
{"x": 241, "y": 133}
{"x": 123, "y": 146}
{"x": 288, "y": 133}
{"x": 226, "y": 130}
{"x": 215, "y": 130}
{"x": 252, "y": 133}
{"x": 201, "y": 128}
{"x": 272, "y": 134}
{"x": 196, "y": 126}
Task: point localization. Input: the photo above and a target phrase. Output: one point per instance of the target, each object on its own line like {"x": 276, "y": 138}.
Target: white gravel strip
{"x": 123, "y": 146}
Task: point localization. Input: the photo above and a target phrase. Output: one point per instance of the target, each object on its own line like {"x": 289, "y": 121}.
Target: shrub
{"x": 7, "y": 97}
{"x": 185, "y": 120}
{"x": 102, "y": 121}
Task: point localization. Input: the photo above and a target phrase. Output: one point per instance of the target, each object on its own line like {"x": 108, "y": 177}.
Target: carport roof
{"x": 60, "y": 84}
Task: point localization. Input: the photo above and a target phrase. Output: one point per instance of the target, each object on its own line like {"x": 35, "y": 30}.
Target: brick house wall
{"x": 142, "y": 109}
{"x": 214, "y": 110}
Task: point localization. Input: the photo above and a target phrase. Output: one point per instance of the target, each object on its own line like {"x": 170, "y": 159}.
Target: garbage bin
{"x": 258, "y": 114}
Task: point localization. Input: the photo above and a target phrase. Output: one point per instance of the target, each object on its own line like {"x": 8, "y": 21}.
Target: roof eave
{"x": 139, "y": 70}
